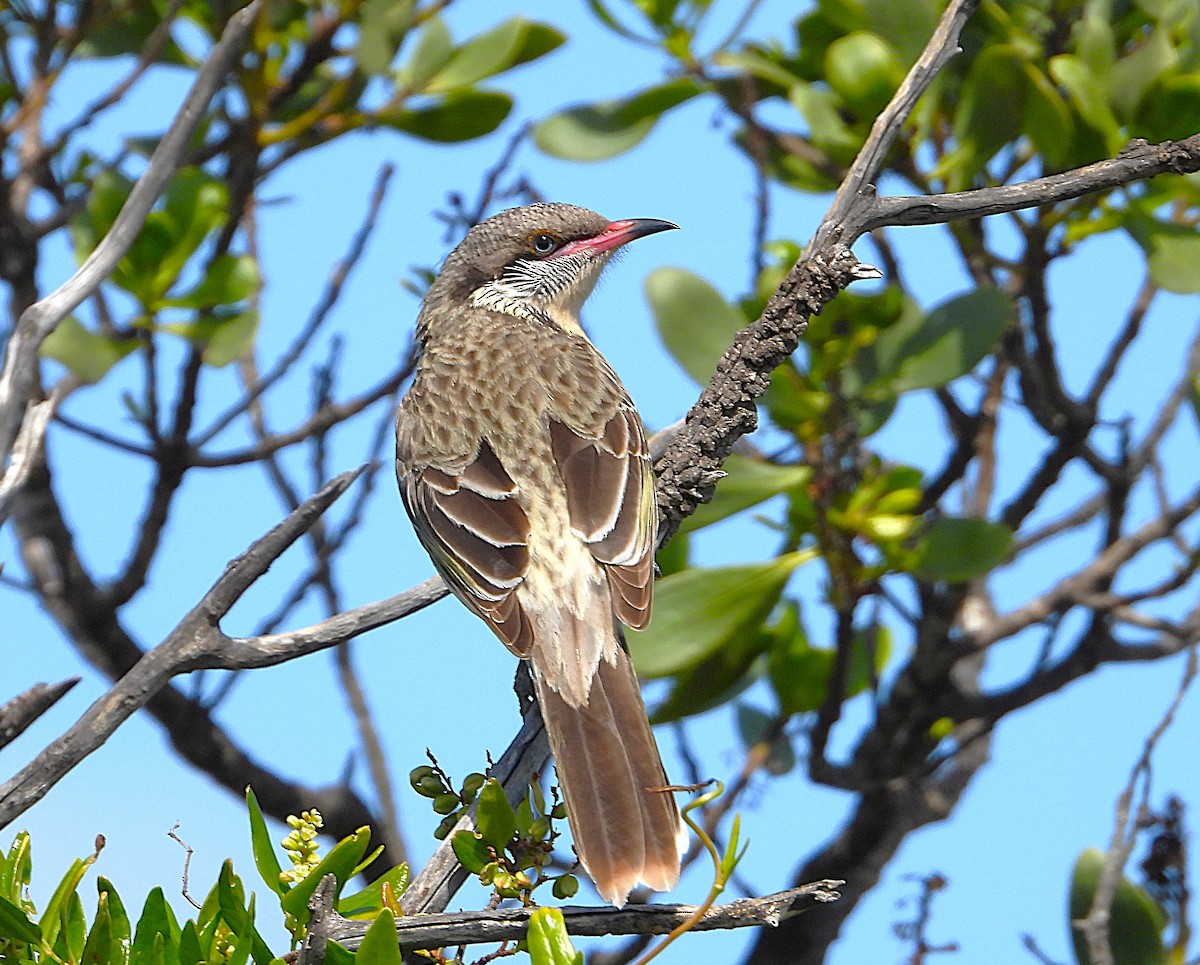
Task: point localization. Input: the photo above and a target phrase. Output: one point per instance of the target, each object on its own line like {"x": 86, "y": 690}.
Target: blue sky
{"x": 439, "y": 679}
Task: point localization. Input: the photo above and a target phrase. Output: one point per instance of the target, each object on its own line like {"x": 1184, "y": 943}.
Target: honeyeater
{"x": 523, "y": 465}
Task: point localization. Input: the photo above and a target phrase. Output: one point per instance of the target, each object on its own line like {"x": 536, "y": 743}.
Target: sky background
{"x": 439, "y": 679}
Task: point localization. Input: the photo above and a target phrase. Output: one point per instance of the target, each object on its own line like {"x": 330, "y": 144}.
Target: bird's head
{"x": 542, "y": 260}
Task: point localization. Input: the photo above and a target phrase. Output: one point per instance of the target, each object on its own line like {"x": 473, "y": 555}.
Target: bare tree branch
{"x": 17, "y": 714}
{"x": 17, "y": 377}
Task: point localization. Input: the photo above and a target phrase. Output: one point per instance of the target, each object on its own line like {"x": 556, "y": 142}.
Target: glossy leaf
{"x": 265, "y": 857}
{"x": 379, "y": 945}
{"x": 1135, "y": 74}
{"x": 955, "y": 549}
{"x": 548, "y": 941}
{"x": 121, "y": 931}
{"x": 189, "y": 945}
{"x": 1088, "y": 93}
{"x": 100, "y": 948}
{"x": 694, "y": 321}
{"x": 471, "y": 850}
{"x": 699, "y": 610}
{"x": 1136, "y": 923}
{"x": 799, "y": 672}
{"x": 593, "y": 132}
{"x": 367, "y": 902}
{"x": 340, "y": 862}
{"x": 494, "y": 817}
{"x": 156, "y": 939}
{"x": 747, "y": 483}
{"x": 949, "y": 342}
{"x": 15, "y": 925}
{"x": 459, "y": 116}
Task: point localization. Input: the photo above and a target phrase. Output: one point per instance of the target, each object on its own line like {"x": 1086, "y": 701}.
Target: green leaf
{"x": 340, "y": 862}
{"x": 1047, "y": 120}
{"x": 514, "y": 41}
{"x": 100, "y": 941}
{"x": 827, "y": 126}
{"x": 747, "y": 483}
{"x": 459, "y": 116}
{"x": 16, "y": 926}
{"x": 495, "y": 818}
{"x": 713, "y": 681}
{"x": 1172, "y": 252}
{"x": 1171, "y": 111}
{"x": 189, "y": 945}
{"x": 61, "y": 900}
{"x": 907, "y": 24}
{"x": 699, "y": 610}
{"x": 864, "y": 70}
{"x": 799, "y": 672}
{"x": 471, "y": 850}
{"x": 989, "y": 115}
{"x": 1134, "y": 74}
{"x": 379, "y": 945}
{"x": 1089, "y": 93}
{"x": 86, "y": 353}
{"x": 366, "y": 903}
{"x": 156, "y": 940}
{"x": 224, "y": 337}
{"x": 382, "y": 26}
{"x": 229, "y": 279}
{"x": 15, "y": 869}
{"x": 73, "y": 935}
{"x": 548, "y": 941}
{"x": 1136, "y": 923}
{"x": 118, "y": 923}
{"x": 752, "y": 726}
{"x": 265, "y": 858}
{"x": 434, "y": 48}
{"x": 694, "y": 321}
{"x": 956, "y": 550}
{"x": 594, "y": 132}
{"x": 949, "y": 342}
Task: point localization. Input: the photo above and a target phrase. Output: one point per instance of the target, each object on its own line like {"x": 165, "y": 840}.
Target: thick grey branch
{"x": 17, "y": 714}
{"x": 472, "y": 927}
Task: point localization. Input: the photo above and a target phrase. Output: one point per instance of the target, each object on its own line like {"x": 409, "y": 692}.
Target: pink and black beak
{"x": 616, "y": 234}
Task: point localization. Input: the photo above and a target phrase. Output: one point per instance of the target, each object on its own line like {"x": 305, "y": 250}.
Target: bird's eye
{"x": 543, "y": 243}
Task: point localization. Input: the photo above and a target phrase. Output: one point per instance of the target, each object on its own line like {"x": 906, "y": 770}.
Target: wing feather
{"x": 477, "y": 536}
{"x": 610, "y": 499}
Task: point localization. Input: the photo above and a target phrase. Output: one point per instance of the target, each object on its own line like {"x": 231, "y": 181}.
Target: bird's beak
{"x": 616, "y": 234}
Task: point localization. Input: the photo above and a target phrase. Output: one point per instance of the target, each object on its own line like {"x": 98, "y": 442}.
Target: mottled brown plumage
{"x": 523, "y": 466}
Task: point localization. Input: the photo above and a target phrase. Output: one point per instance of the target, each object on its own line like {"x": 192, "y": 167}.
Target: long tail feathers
{"x": 606, "y": 760}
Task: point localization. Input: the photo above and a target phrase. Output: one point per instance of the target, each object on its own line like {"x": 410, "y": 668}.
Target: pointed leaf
{"x": 265, "y": 858}
{"x": 699, "y": 610}
{"x": 379, "y": 945}
{"x": 340, "y": 862}
{"x": 366, "y": 903}
{"x": 495, "y": 818}
{"x": 156, "y": 941}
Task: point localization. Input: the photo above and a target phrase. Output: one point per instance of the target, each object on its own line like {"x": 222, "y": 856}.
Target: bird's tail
{"x": 607, "y": 762}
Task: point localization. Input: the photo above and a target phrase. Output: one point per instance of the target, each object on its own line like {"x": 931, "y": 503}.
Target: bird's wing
{"x": 610, "y": 499}
{"x": 477, "y": 535}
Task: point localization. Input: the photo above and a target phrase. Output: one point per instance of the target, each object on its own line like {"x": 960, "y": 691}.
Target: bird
{"x": 524, "y": 468}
